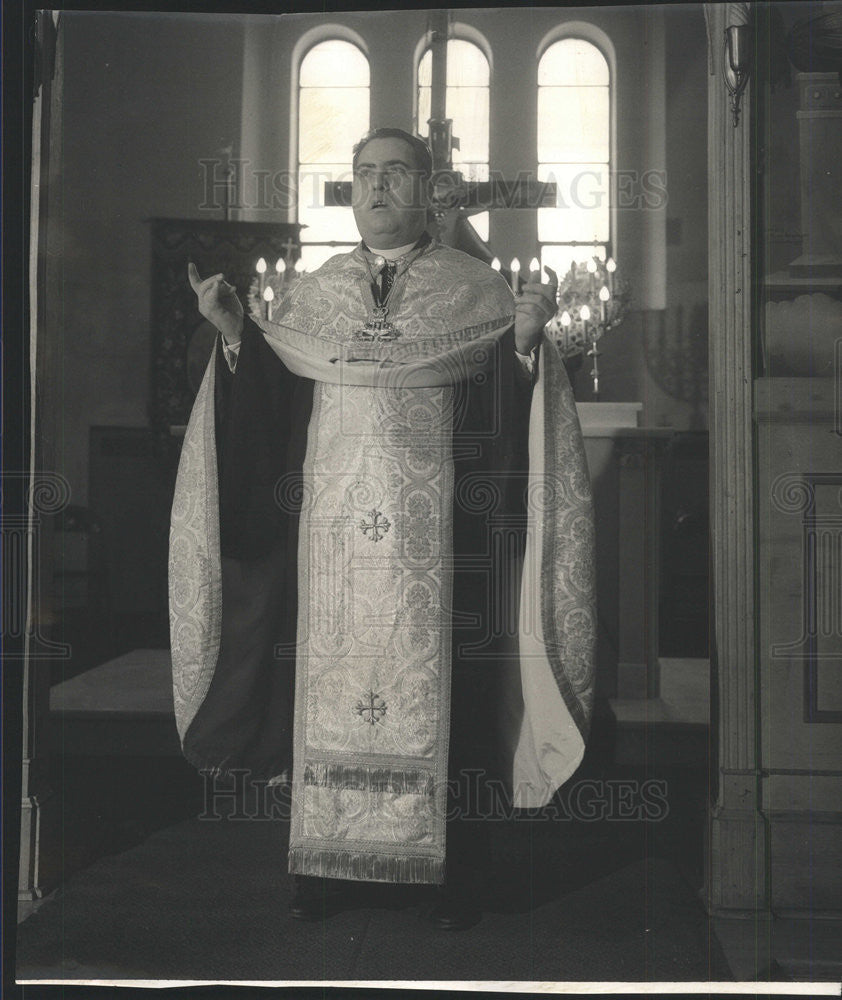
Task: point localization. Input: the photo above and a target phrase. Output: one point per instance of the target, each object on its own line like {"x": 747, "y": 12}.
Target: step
{"x": 124, "y": 707}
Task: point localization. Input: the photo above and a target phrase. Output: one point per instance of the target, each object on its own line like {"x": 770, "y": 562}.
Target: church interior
{"x": 173, "y": 136}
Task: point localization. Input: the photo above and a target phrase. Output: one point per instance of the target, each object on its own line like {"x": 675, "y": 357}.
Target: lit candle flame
{"x": 565, "y": 318}
{"x": 585, "y": 313}
{"x": 280, "y": 265}
{"x": 496, "y": 265}
{"x": 591, "y": 266}
{"x": 261, "y": 266}
{"x": 534, "y": 264}
{"x": 604, "y": 294}
{"x": 299, "y": 266}
{"x": 515, "y": 269}
{"x": 611, "y": 267}
{"x": 268, "y": 298}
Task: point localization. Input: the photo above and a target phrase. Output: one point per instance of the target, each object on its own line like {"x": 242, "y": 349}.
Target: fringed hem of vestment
{"x": 366, "y": 867}
{"x": 379, "y": 778}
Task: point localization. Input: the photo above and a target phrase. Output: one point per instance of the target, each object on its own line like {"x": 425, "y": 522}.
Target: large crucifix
{"x": 454, "y": 198}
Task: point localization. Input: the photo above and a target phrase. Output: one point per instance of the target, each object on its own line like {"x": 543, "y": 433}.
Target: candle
{"x": 280, "y": 265}
{"x": 604, "y": 296}
{"x": 268, "y": 297}
{"x": 565, "y": 318}
{"x": 592, "y": 272}
{"x": 299, "y": 267}
{"x": 593, "y": 352}
{"x": 495, "y": 265}
{"x": 534, "y": 265}
{"x": 515, "y": 269}
{"x": 584, "y": 316}
{"x": 261, "y": 270}
{"x": 611, "y": 267}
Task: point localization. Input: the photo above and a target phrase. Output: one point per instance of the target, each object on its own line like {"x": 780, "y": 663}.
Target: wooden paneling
{"x": 180, "y": 344}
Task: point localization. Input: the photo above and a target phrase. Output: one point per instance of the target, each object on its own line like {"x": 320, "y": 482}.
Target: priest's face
{"x": 390, "y": 195}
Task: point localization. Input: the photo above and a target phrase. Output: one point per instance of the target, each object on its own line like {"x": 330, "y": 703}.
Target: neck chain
{"x": 378, "y": 327}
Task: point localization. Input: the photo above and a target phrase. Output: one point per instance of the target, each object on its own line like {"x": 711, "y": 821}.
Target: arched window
{"x": 467, "y": 103}
{"x": 574, "y": 150}
{"x": 333, "y": 113}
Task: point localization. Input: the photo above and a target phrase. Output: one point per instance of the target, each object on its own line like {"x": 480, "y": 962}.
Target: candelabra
{"x": 267, "y": 290}
{"x": 592, "y": 299}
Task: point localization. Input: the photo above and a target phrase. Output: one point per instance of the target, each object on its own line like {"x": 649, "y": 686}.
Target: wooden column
{"x": 30, "y": 544}
{"x": 30, "y": 541}
{"x": 737, "y": 845}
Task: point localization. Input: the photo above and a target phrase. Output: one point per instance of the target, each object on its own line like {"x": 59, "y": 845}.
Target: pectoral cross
{"x": 451, "y": 190}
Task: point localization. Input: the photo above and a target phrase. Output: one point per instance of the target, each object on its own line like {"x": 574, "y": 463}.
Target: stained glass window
{"x": 574, "y": 151}
{"x": 333, "y": 112}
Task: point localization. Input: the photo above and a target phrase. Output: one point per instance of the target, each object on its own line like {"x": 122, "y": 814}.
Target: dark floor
{"x": 606, "y": 890}
{"x": 134, "y": 796}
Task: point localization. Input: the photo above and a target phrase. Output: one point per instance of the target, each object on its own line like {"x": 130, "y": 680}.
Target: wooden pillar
{"x": 47, "y": 492}
{"x": 30, "y": 576}
{"x": 653, "y": 290}
{"x": 737, "y": 847}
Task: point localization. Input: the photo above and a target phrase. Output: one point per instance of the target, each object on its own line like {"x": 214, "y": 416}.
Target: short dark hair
{"x": 420, "y": 149}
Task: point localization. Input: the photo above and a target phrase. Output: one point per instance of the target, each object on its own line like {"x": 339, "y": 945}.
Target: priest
{"x": 381, "y": 552}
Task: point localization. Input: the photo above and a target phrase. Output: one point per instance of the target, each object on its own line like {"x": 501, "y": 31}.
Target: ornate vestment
{"x": 405, "y": 516}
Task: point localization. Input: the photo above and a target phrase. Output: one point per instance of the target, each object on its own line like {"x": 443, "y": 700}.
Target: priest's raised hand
{"x": 534, "y": 308}
{"x": 218, "y": 303}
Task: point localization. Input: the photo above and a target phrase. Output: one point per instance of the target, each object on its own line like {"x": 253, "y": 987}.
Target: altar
{"x": 626, "y": 464}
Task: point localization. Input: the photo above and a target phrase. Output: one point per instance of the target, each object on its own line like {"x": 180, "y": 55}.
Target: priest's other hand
{"x": 218, "y": 303}
{"x": 534, "y": 308}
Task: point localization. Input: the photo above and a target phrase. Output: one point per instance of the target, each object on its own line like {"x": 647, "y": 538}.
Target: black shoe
{"x": 316, "y": 898}
{"x": 453, "y": 912}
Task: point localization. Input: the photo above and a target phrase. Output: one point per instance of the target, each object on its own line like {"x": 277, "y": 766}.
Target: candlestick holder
{"x": 594, "y": 354}
{"x": 592, "y": 300}
{"x": 269, "y": 287}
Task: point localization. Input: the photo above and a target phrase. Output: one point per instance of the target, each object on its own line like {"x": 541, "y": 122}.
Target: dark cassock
{"x": 381, "y": 563}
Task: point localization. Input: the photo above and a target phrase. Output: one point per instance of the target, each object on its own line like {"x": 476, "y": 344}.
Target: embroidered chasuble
{"x": 380, "y": 538}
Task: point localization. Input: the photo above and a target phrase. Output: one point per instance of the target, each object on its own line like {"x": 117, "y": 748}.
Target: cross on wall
{"x": 451, "y": 190}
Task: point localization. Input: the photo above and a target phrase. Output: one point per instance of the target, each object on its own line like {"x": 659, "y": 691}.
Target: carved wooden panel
{"x": 181, "y": 340}
{"x": 814, "y": 498}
